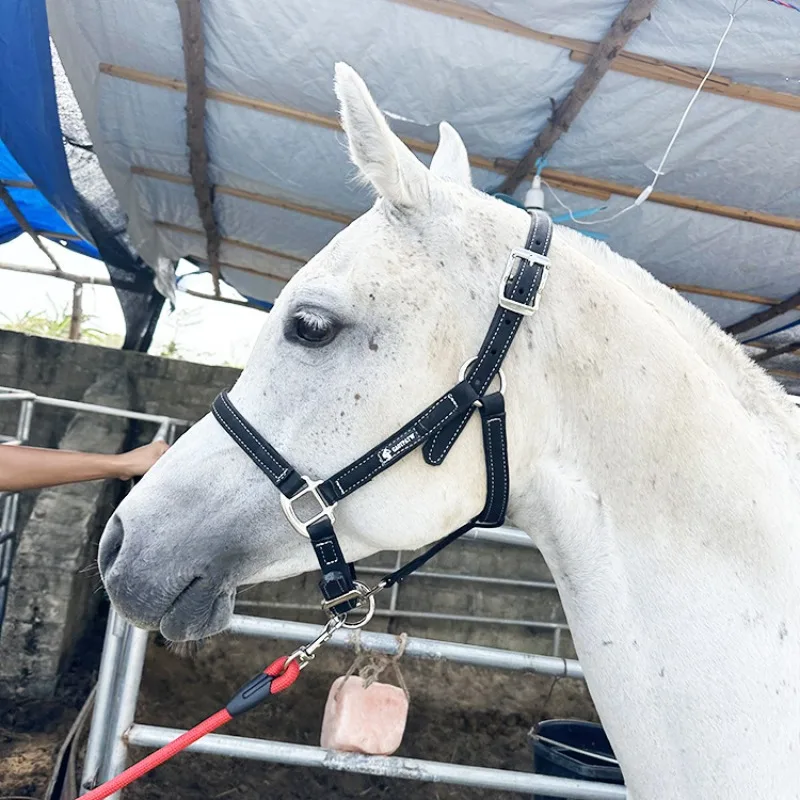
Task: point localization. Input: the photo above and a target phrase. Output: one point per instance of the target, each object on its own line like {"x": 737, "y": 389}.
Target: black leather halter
{"x": 435, "y": 430}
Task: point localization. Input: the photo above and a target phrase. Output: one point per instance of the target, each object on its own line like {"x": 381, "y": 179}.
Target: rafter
{"x": 194, "y": 59}
{"x": 256, "y": 248}
{"x": 564, "y": 114}
{"x": 243, "y": 194}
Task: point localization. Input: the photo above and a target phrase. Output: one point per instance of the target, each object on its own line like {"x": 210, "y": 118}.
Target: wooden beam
{"x": 23, "y": 223}
{"x": 258, "y": 272}
{"x": 256, "y": 248}
{"x": 194, "y": 60}
{"x": 740, "y": 297}
{"x": 243, "y": 194}
{"x": 785, "y": 373}
{"x": 625, "y": 62}
{"x": 760, "y": 317}
{"x": 579, "y": 184}
{"x": 564, "y": 114}
{"x": 689, "y": 78}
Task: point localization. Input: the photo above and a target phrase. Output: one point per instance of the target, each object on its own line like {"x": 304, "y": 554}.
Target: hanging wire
{"x": 647, "y": 191}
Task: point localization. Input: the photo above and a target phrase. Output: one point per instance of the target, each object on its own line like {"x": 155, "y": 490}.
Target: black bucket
{"x": 552, "y": 742}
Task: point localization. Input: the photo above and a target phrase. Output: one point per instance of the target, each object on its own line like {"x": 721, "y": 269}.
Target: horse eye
{"x": 313, "y": 330}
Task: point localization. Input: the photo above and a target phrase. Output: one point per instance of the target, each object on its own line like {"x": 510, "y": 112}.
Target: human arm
{"x": 36, "y": 468}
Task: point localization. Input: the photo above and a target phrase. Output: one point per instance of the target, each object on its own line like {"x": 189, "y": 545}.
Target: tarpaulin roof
{"x": 56, "y": 182}
{"x": 493, "y": 68}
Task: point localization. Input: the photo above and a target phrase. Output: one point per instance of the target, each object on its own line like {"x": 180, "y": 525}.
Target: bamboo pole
{"x": 740, "y": 297}
{"x": 256, "y": 248}
{"x": 625, "y": 62}
{"x": 243, "y": 194}
{"x": 579, "y": 184}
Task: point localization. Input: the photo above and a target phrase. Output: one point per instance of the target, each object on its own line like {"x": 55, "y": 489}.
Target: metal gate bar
{"x": 435, "y": 649}
{"x": 113, "y": 728}
{"x": 436, "y": 616}
{"x": 10, "y": 501}
{"x": 384, "y": 766}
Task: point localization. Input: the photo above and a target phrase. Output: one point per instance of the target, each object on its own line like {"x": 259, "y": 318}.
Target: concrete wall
{"x": 185, "y": 390}
{"x": 53, "y": 588}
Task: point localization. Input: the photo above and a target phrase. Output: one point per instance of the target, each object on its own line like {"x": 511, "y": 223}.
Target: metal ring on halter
{"x": 360, "y": 592}
{"x": 462, "y": 373}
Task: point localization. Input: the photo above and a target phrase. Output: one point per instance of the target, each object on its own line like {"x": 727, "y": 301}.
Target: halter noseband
{"x": 435, "y": 430}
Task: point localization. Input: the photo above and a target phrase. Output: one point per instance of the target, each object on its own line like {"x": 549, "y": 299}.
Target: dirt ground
{"x": 458, "y": 714}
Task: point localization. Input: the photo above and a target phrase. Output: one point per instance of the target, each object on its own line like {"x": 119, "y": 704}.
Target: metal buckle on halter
{"x": 301, "y": 526}
{"x": 521, "y": 254}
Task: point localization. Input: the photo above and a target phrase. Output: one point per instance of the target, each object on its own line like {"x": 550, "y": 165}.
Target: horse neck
{"x": 613, "y": 414}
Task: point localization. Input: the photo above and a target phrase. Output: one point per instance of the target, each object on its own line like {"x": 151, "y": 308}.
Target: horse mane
{"x": 756, "y": 391}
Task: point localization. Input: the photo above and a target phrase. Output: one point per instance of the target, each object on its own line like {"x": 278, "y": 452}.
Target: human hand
{"x": 136, "y": 462}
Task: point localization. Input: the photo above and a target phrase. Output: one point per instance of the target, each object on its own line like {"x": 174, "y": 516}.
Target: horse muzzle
{"x": 147, "y": 590}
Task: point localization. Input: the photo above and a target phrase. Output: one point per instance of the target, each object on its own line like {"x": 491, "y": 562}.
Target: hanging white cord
{"x": 647, "y": 191}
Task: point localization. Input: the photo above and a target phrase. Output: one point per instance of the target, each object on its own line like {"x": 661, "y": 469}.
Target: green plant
{"x": 55, "y": 324}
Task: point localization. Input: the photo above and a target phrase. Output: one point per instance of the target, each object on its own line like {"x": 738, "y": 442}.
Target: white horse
{"x": 652, "y": 463}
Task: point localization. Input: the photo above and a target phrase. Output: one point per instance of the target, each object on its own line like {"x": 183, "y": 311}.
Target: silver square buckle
{"x": 521, "y": 254}
{"x": 301, "y": 526}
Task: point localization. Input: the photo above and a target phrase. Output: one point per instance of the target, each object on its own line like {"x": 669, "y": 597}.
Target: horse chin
{"x": 184, "y": 622}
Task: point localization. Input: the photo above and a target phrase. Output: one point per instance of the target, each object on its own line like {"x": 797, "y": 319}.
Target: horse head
{"x": 367, "y": 334}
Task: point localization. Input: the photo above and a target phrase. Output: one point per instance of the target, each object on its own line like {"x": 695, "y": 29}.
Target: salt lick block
{"x": 359, "y": 720}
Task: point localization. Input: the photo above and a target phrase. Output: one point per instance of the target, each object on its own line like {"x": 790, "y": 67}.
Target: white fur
{"x": 653, "y": 464}
{"x": 450, "y": 161}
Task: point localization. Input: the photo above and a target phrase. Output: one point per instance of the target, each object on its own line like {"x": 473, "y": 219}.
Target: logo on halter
{"x": 396, "y": 448}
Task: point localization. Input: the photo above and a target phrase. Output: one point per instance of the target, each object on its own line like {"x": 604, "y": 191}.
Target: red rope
{"x": 159, "y": 757}
{"x": 283, "y": 676}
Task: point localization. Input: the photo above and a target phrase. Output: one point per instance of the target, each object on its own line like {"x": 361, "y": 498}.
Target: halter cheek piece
{"x": 435, "y": 430}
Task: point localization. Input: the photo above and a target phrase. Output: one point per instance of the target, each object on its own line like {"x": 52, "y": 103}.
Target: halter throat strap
{"x": 435, "y": 429}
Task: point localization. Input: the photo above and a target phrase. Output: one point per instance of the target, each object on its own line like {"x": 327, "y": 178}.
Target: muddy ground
{"x": 458, "y": 714}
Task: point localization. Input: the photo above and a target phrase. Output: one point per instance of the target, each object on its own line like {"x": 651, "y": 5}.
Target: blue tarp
{"x": 69, "y": 193}
{"x": 34, "y": 207}
{"x": 29, "y": 124}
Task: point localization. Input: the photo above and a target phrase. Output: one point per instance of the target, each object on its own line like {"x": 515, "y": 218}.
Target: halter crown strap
{"x": 520, "y": 289}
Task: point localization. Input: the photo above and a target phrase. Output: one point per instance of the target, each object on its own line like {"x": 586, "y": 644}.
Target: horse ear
{"x": 395, "y": 172}
{"x": 450, "y": 161}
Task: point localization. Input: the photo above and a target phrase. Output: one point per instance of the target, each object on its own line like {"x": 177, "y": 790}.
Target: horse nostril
{"x": 110, "y": 545}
